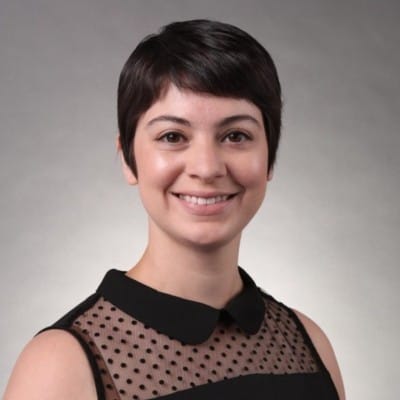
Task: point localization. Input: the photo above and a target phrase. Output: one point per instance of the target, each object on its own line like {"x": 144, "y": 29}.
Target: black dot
{"x": 116, "y": 376}
{"x": 123, "y": 365}
{"x": 113, "y": 309}
{"x": 180, "y": 378}
{"x": 134, "y": 322}
{"x": 161, "y": 382}
{"x": 95, "y": 315}
{"x": 155, "y": 393}
{"x": 155, "y": 366}
{"x": 185, "y": 368}
{"x": 102, "y": 326}
{"x": 178, "y": 353}
{"x": 110, "y": 360}
{"x": 120, "y": 319}
{"x": 173, "y": 362}
{"x": 115, "y": 329}
{"x": 130, "y": 355}
{"x": 142, "y": 387}
{"x": 166, "y": 347}
{"x": 136, "y": 370}
{"x": 153, "y": 341}
{"x": 149, "y": 351}
{"x": 96, "y": 334}
{"x": 141, "y": 336}
{"x": 122, "y": 391}
{"x": 142, "y": 360}
{"x": 117, "y": 351}
{"x": 129, "y": 381}
{"x": 109, "y": 337}
{"x": 104, "y": 346}
{"x": 148, "y": 376}
{"x": 174, "y": 388}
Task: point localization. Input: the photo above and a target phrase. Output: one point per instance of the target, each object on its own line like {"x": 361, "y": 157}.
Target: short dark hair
{"x": 201, "y": 56}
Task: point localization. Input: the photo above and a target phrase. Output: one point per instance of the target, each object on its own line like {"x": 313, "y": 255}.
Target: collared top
{"x": 188, "y": 321}
{"x": 143, "y": 344}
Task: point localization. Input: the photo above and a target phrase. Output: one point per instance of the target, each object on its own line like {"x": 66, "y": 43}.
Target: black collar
{"x": 189, "y": 321}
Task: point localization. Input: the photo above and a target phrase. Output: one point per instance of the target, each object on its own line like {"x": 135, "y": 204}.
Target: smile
{"x": 203, "y": 200}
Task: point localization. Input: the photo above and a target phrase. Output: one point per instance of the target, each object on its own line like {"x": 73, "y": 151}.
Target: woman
{"x": 199, "y": 111}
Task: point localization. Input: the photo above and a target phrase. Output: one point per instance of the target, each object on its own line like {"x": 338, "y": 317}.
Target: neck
{"x": 206, "y": 275}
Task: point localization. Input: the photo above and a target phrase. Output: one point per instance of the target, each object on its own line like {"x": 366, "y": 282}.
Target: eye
{"x": 171, "y": 137}
{"x": 236, "y": 137}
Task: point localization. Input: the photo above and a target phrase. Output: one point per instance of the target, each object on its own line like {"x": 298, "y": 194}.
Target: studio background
{"x": 326, "y": 240}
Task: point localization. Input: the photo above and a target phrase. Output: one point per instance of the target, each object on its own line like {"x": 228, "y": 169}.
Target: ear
{"x": 270, "y": 174}
{"x": 126, "y": 170}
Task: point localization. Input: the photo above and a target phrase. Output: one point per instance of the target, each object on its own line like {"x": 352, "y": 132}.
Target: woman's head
{"x": 200, "y": 56}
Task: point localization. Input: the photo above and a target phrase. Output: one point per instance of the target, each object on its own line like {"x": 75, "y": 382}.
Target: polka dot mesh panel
{"x": 137, "y": 362}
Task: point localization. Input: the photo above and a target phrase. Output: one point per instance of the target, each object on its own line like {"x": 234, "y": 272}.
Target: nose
{"x": 205, "y": 161}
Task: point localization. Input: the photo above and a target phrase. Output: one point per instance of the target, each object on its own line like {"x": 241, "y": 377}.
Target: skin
{"x": 187, "y": 145}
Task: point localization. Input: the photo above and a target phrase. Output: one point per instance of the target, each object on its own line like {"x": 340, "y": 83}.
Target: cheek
{"x": 155, "y": 168}
{"x": 252, "y": 172}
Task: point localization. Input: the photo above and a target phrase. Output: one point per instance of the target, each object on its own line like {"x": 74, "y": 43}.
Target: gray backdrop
{"x": 325, "y": 241}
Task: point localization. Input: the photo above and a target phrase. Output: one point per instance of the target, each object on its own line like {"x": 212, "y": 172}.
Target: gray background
{"x": 326, "y": 239}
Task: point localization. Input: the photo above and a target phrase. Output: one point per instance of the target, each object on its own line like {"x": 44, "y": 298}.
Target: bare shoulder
{"x": 52, "y": 366}
{"x": 325, "y": 351}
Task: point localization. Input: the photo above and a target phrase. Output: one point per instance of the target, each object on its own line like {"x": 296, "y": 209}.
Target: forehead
{"x": 199, "y": 107}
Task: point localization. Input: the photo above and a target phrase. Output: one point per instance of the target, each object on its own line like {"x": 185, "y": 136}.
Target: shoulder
{"x": 324, "y": 349}
{"x": 52, "y": 366}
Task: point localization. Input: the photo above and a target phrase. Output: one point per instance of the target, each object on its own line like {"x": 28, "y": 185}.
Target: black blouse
{"x": 145, "y": 344}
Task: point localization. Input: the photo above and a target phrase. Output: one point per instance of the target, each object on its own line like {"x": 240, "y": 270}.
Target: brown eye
{"x": 172, "y": 137}
{"x": 236, "y": 137}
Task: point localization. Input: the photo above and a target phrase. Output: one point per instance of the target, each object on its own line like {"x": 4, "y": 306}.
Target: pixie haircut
{"x": 201, "y": 56}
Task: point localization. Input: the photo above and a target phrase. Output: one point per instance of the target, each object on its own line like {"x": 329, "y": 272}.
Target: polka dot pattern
{"x": 137, "y": 362}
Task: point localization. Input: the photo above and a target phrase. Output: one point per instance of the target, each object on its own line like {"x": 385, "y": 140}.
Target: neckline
{"x": 186, "y": 320}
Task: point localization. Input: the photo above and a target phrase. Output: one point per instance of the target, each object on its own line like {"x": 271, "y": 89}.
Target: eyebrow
{"x": 224, "y": 122}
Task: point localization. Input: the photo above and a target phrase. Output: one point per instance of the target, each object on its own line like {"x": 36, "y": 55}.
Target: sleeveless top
{"x": 145, "y": 344}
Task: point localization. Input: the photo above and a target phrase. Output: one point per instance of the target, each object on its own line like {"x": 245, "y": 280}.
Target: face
{"x": 201, "y": 167}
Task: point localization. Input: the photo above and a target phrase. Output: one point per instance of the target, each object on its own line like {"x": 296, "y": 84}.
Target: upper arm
{"x": 325, "y": 351}
{"x": 52, "y": 366}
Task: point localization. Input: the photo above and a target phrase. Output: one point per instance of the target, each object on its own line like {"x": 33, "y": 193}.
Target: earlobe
{"x": 126, "y": 170}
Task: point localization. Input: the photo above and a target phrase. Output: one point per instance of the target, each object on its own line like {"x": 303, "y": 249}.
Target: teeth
{"x": 203, "y": 200}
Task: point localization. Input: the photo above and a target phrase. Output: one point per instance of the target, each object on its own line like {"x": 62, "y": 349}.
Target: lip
{"x": 205, "y": 203}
